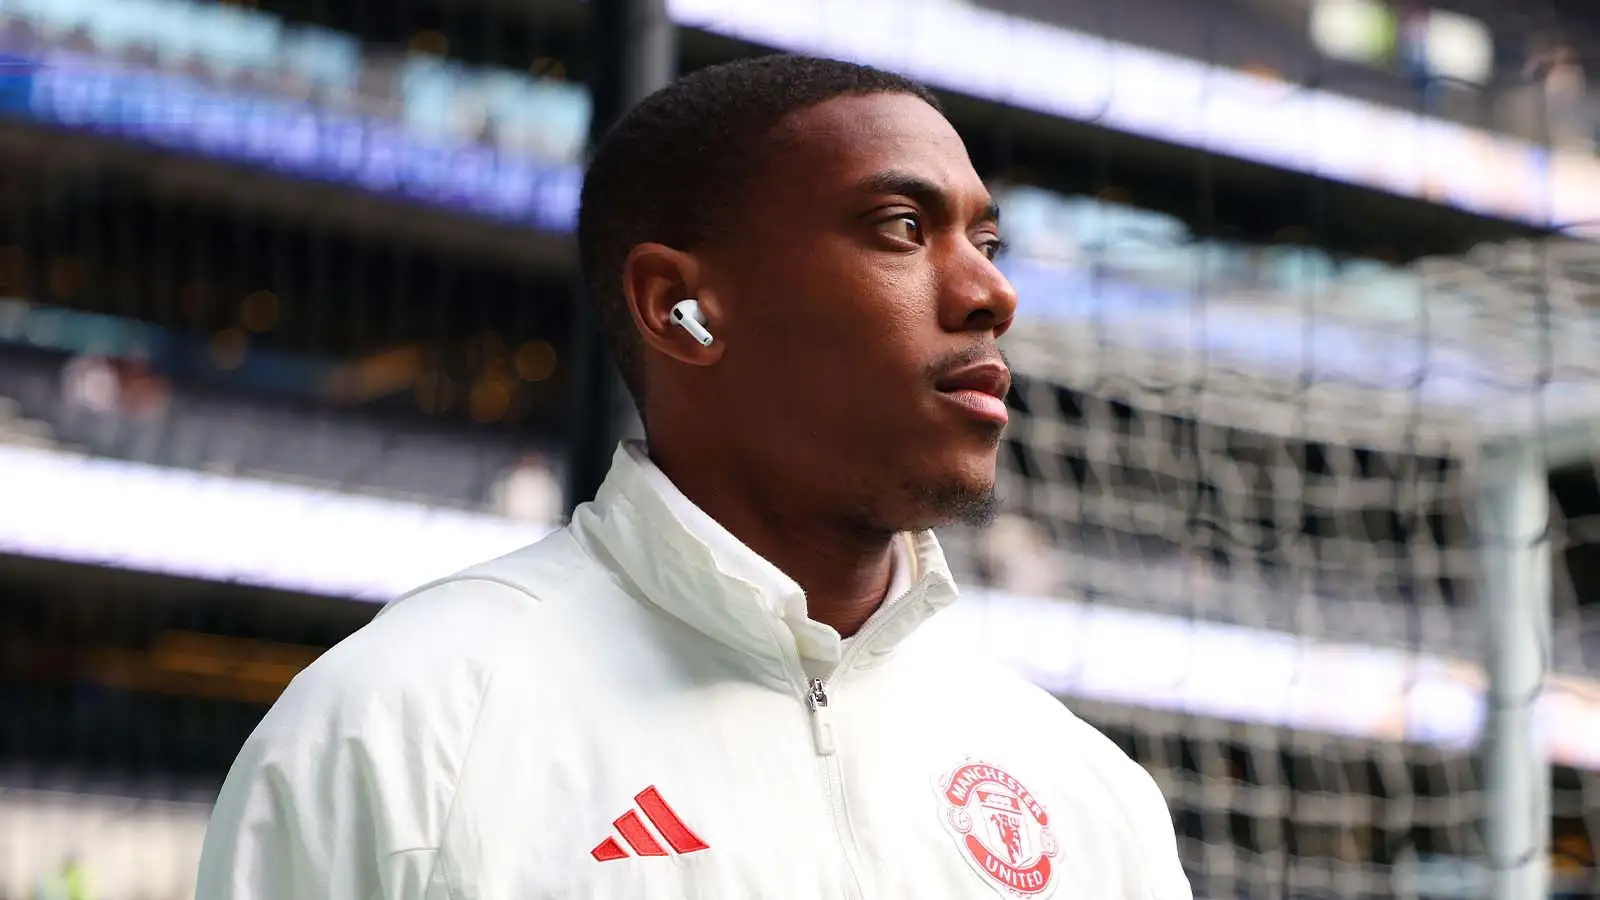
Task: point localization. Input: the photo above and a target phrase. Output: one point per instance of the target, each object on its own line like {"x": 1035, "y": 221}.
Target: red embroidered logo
{"x": 1001, "y": 829}
{"x": 638, "y": 836}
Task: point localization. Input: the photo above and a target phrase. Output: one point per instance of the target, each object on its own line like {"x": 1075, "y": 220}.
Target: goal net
{"x": 1275, "y": 526}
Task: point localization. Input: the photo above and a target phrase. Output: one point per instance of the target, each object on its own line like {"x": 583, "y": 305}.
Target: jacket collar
{"x": 684, "y": 562}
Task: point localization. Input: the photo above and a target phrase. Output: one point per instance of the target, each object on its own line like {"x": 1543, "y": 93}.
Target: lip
{"x": 979, "y": 389}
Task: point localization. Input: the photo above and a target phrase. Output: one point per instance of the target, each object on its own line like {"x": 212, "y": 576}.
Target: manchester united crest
{"x": 1001, "y": 829}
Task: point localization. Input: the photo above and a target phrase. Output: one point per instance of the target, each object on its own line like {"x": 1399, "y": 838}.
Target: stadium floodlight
{"x": 1365, "y": 461}
{"x": 1359, "y": 31}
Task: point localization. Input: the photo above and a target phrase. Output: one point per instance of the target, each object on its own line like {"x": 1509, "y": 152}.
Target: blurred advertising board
{"x": 249, "y": 51}
{"x": 294, "y": 137}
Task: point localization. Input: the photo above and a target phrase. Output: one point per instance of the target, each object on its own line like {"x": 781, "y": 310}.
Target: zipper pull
{"x": 817, "y": 702}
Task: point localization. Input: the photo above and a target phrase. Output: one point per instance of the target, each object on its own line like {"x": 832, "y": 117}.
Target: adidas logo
{"x": 638, "y": 836}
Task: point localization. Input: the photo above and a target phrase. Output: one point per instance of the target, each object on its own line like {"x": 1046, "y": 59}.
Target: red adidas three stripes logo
{"x": 638, "y": 837}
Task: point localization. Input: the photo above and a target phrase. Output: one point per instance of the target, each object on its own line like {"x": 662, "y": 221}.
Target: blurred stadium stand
{"x": 323, "y": 244}
{"x": 234, "y": 434}
{"x": 1492, "y": 55}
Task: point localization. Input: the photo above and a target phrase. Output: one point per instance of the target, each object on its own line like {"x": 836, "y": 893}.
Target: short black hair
{"x": 670, "y": 168}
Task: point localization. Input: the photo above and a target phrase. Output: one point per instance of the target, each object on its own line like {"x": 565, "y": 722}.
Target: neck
{"x": 844, "y": 572}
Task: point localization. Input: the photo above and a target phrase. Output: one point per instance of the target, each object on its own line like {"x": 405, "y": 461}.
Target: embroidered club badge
{"x": 1001, "y": 829}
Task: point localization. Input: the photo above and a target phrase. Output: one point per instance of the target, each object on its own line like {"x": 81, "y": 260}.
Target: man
{"x": 726, "y": 678}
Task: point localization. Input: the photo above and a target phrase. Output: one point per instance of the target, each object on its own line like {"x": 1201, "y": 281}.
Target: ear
{"x": 656, "y": 278}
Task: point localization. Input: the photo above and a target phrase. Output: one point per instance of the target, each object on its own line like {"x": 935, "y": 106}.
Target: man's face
{"x": 863, "y": 306}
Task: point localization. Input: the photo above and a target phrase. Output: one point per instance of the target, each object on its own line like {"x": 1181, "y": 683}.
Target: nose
{"x": 977, "y": 295}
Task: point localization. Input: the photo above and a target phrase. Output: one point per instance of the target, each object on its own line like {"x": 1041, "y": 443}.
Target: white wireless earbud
{"x": 687, "y": 314}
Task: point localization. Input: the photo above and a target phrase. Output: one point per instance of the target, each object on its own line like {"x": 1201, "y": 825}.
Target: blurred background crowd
{"x": 289, "y": 324}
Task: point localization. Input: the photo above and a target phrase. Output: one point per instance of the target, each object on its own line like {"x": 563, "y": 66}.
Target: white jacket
{"x": 629, "y": 709}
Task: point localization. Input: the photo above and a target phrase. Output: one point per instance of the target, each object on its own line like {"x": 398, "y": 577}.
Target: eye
{"x": 905, "y": 226}
{"x": 992, "y": 246}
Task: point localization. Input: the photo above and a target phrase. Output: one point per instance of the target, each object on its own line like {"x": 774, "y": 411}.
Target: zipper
{"x": 821, "y": 727}
{"x": 815, "y": 692}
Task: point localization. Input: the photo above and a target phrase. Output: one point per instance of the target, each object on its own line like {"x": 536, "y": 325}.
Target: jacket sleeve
{"x": 304, "y": 829}
{"x": 342, "y": 791}
{"x": 1154, "y": 854}
{"x": 1153, "y": 822}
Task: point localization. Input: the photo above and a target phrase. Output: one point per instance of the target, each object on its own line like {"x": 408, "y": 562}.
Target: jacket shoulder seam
{"x": 458, "y": 579}
{"x": 455, "y": 790}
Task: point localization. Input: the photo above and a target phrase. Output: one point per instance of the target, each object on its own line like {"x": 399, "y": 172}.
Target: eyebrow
{"x": 924, "y": 192}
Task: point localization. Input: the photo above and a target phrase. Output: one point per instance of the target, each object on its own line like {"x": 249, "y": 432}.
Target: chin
{"x": 963, "y": 495}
